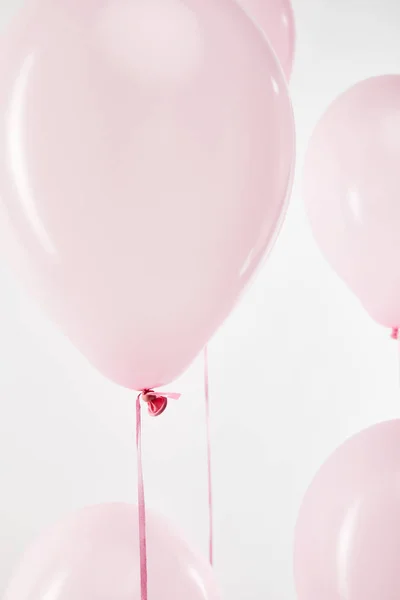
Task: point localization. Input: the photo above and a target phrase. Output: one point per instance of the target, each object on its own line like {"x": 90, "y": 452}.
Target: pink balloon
{"x": 146, "y": 157}
{"x": 348, "y": 532}
{"x": 94, "y": 555}
{"x": 351, "y": 189}
{"x": 276, "y": 20}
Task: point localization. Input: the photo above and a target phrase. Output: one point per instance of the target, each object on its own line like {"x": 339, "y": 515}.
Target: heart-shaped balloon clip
{"x": 156, "y": 404}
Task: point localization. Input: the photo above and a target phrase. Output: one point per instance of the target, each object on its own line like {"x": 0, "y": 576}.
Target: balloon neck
{"x": 156, "y": 404}
{"x": 395, "y": 333}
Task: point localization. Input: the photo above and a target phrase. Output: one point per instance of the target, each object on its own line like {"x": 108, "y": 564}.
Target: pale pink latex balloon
{"x": 94, "y": 555}
{"x": 276, "y": 20}
{"x": 351, "y": 189}
{"x": 146, "y": 157}
{"x": 348, "y": 532}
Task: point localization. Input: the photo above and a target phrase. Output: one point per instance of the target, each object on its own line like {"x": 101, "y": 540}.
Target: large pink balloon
{"x": 94, "y": 555}
{"x": 146, "y": 157}
{"x": 351, "y": 190}
{"x": 348, "y": 531}
{"x": 276, "y": 19}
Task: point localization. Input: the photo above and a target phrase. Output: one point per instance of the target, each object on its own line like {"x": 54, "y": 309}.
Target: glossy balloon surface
{"x": 146, "y": 157}
{"x": 94, "y": 555}
{"x": 348, "y": 531}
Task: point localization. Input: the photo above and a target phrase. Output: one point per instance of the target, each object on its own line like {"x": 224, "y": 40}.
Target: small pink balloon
{"x": 276, "y": 20}
{"x": 94, "y": 555}
{"x": 351, "y": 190}
{"x": 347, "y": 544}
{"x": 146, "y": 157}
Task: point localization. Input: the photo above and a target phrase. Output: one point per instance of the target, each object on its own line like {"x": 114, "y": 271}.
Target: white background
{"x": 297, "y": 368}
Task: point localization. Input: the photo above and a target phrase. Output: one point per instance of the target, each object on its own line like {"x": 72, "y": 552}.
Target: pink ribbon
{"x": 141, "y": 504}
{"x": 209, "y": 472}
{"x": 156, "y": 405}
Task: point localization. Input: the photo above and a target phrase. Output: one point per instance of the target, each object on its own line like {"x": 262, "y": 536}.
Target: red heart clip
{"x": 155, "y": 404}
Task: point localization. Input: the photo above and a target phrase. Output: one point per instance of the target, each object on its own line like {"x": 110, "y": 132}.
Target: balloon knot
{"x": 395, "y": 333}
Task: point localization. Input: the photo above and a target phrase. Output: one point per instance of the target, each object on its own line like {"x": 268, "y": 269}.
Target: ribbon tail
{"x": 141, "y": 504}
{"x": 209, "y": 471}
{"x": 172, "y": 396}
